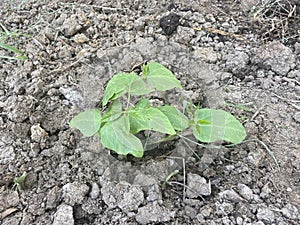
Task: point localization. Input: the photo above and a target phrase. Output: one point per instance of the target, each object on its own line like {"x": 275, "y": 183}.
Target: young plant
{"x": 19, "y": 181}
{"x": 118, "y": 125}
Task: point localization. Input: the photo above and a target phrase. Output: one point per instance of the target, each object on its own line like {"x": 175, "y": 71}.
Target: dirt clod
{"x": 169, "y": 23}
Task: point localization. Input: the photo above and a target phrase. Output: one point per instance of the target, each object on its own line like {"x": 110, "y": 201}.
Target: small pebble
{"x": 95, "y": 191}
{"x": 296, "y": 117}
{"x": 245, "y": 191}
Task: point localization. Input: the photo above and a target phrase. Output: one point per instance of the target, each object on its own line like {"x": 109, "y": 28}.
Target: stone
{"x": 266, "y": 215}
{"x": 150, "y": 186}
{"x": 206, "y": 54}
{"x": 185, "y": 34}
{"x": 230, "y": 195}
{"x": 92, "y": 206}
{"x": 206, "y": 211}
{"x": 169, "y": 23}
{"x": 63, "y": 215}
{"x": 50, "y": 33}
{"x": 80, "y": 38}
{"x": 255, "y": 158}
{"x": 190, "y": 211}
{"x": 123, "y": 195}
{"x": 38, "y": 133}
{"x": 74, "y": 96}
{"x": 7, "y": 154}
{"x": 95, "y": 191}
{"x": 224, "y": 208}
{"x": 239, "y": 220}
{"x": 70, "y": 26}
{"x": 245, "y": 191}
{"x": 237, "y": 62}
{"x": 74, "y": 193}
{"x": 20, "y": 107}
{"x": 197, "y": 186}
{"x": 265, "y": 191}
{"x": 226, "y": 221}
{"x": 132, "y": 199}
{"x": 153, "y": 213}
{"x": 53, "y": 197}
{"x": 290, "y": 211}
{"x": 275, "y": 56}
{"x": 9, "y": 199}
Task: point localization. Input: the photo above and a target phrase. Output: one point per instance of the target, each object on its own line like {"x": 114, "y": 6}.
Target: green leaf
{"x": 122, "y": 83}
{"x": 113, "y": 112}
{"x": 19, "y": 54}
{"x": 20, "y": 181}
{"x": 6, "y": 31}
{"x": 20, "y": 57}
{"x": 115, "y": 135}
{"x": 143, "y": 103}
{"x": 149, "y": 119}
{"x": 138, "y": 87}
{"x": 178, "y": 120}
{"x": 88, "y": 122}
{"x": 214, "y": 125}
{"x": 160, "y": 77}
{"x": 11, "y": 48}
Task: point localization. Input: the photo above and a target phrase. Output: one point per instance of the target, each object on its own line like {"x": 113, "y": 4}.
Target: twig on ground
{"x": 291, "y": 80}
{"x": 265, "y": 147}
{"x": 257, "y": 112}
{"x": 184, "y": 173}
{"x": 289, "y": 101}
{"x": 187, "y": 187}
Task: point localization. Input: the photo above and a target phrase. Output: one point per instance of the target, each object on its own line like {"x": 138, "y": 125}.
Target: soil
{"x": 241, "y": 56}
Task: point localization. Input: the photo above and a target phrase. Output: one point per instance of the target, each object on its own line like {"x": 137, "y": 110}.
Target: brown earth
{"x": 241, "y": 56}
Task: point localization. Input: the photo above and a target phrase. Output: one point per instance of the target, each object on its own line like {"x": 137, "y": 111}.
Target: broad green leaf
{"x": 149, "y": 119}
{"x": 88, "y": 122}
{"x": 138, "y": 87}
{"x": 115, "y": 135}
{"x": 113, "y": 112}
{"x": 214, "y": 125}
{"x": 178, "y": 120}
{"x": 122, "y": 83}
{"x": 159, "y": 77}
{"x": 143, "y": 103}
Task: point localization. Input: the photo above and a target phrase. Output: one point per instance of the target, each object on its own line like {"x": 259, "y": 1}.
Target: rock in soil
{"x": 63, "y": 215}
{"x": 169, "y": 23}
{"x": 153, "y": 213}
{"x": 197, "y": 186}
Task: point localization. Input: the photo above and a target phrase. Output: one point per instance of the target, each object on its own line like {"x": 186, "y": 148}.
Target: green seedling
{"x": 118, "y": 125}
{"x": 169, "y": 177}
{"x": 20, "y": 181}
{"x": 4, "y": 35}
